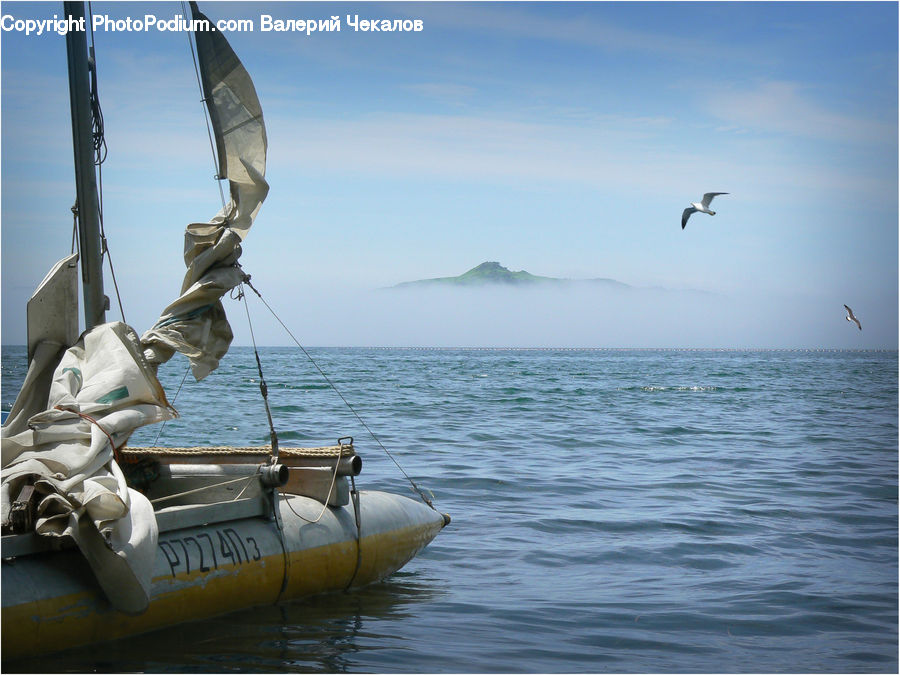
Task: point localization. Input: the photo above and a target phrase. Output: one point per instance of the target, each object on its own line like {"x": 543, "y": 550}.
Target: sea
{"x": 613, "y": 511}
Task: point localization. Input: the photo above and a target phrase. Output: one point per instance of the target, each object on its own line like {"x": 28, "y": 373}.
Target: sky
{"x": 560, "y": 138}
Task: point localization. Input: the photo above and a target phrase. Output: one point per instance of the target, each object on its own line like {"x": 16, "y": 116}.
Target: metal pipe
{"x": 271, "y": 475}
{"x": 274, "y": 475}
{"x": 350, "y": 466}
{"x": 346, "y": 466}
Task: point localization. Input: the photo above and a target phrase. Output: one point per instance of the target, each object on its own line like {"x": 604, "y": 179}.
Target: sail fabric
{"x": 101, "y": 391}
{"x": 237, "y": 122}
{"x": 195, "y": 324}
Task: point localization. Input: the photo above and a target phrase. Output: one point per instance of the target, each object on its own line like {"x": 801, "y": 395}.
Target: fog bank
{"x": 575, "y": 316}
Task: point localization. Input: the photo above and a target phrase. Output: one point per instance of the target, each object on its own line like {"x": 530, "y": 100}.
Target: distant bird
{"x": 702, "y": 207}
{"x": 852, "y": 318}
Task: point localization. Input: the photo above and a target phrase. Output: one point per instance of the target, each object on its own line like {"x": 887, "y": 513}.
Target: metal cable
{"x": 415, "y": 487}
{"x": 205, "y": 487}
{"x": 175, "y": 398}
{"x": 354, "y": 495}
{"x": 74, "y": 227}
{"x": 263, "y": 388}
{"x": 100, "y": 152}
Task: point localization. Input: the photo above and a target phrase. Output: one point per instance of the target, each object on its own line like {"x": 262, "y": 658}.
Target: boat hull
{"x": 51, "y": 601}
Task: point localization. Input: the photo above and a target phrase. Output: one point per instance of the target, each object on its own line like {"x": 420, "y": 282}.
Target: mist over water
{"x": 576, "y": 315}
{"x": 580, "y": 314}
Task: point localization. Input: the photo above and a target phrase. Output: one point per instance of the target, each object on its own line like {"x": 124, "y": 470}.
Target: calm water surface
{"x": 613, "y": 511}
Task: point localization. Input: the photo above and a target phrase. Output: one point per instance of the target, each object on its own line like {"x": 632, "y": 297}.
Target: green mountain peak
{"x": 491, "y": 272}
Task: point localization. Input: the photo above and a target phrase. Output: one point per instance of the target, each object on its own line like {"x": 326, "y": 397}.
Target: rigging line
{"x": 112, "y": 443}
{"x": 415, "y": 487}
{"x": 211, "y": 486}
{"x": 105, "y": 251}
{"x": 98, "y": 137}
{"x": 159, "y": 433}
{"x": 263, "y": 388}
{"x": 327, "y": 499}
{"x": 212, "y": 146}
{"x": 354, "y": 495}
{"x": 74, "y": 227}
{"x": 276, "y": 514}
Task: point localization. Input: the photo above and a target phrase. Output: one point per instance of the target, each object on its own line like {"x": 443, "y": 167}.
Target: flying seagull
{"x": 852, "y": 318}
{"x": 702, "y": 207}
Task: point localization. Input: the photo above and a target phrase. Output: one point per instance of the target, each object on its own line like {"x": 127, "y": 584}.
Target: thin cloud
{"x": 615, "y": 153}
{"x": 782, "y": 108}
{"x": 576, "y": 30}
{"x": 453, "y": 94}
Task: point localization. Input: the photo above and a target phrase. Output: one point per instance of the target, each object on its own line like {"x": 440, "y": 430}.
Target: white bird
{"x": 702, "y": 207}
{"x": 852, "y": 318}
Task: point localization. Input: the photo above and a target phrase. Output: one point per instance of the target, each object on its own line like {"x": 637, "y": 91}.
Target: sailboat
{"x": 102, "y": 540}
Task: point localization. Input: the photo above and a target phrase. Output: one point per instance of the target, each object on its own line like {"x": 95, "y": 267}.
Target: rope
{"x": 276, "y": 513}
{"x": 74, "y": 226}
{"x": 99, "y": 138}
{"x": 90, "y": 419}
{"x": 354, "y": 495}
{"x": 205, "y": 487}
{"x": 174, "y": 398}
{"x": 100, "y": 151}
{"x": 263, "y": 388}
{"x": 415, "y": 487}
{"x": 250, "y": 451}
{"x": 327, "y": 499}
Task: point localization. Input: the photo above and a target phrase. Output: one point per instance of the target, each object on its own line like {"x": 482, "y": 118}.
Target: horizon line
{"x": 570, "y": 349}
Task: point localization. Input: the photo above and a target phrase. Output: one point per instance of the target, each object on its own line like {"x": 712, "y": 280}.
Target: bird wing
{"x": 852, "y": 317}
{"x": 685, "y": 215}
{"x": 708, "y": 197}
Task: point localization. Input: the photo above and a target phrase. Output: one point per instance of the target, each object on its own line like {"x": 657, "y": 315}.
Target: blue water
{"x": 613, "y": 511}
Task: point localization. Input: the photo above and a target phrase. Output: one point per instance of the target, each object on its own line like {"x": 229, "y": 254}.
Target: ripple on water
{"x": 613, "y": 510}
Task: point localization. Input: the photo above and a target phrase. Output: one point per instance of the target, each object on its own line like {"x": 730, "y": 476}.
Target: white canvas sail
{"x": 64, "y": 437}
{"x": 195, "y": 324}
{"x": 100, "y": 392}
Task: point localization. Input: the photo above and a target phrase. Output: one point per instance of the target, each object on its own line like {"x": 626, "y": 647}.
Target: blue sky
{"x": 560, "y": 138}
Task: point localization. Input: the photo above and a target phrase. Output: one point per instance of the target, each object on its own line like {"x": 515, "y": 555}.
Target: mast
{"x": 95, "y": 302}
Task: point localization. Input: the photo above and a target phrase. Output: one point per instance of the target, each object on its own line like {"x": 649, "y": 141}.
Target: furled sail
{"x": 82, "y": 401}
{"x": 100, "y": 392}
{"x": 195, "y": 324}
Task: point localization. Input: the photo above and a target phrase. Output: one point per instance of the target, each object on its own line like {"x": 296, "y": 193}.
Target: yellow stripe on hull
{"x": 51, "y": 601}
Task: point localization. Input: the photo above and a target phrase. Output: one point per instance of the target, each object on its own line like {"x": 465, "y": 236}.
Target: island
{"x": 493, "y": 273}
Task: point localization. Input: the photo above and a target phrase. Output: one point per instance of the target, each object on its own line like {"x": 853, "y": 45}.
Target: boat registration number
{"x": 209, "y": 551}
